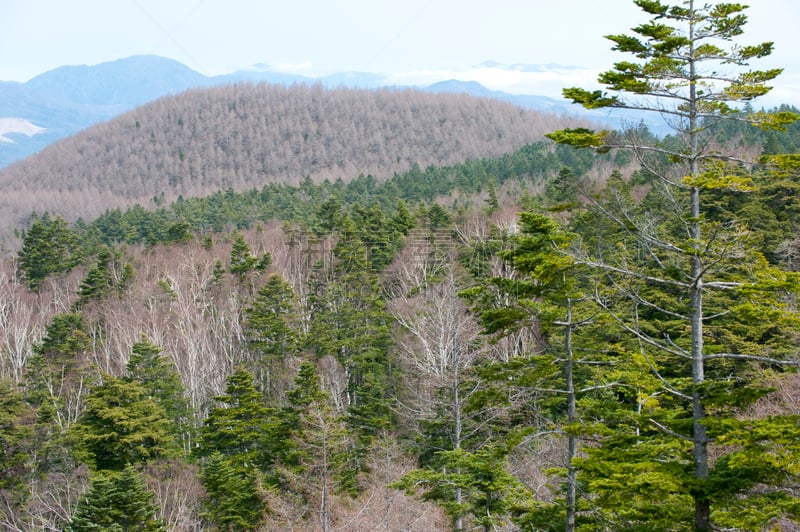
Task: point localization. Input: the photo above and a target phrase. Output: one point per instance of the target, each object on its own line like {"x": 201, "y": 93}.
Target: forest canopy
{"x": 596, "y": 333}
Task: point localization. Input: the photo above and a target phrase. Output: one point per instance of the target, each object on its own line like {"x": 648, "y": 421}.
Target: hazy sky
{"x": 412, "y": 41}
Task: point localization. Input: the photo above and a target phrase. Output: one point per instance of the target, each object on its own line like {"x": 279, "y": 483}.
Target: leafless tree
{"x": 245, "y": 135}
{"x": 21, "y": 323}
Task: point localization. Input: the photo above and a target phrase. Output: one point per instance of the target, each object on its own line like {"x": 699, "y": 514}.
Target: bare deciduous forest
{"x": 249, "y": 135}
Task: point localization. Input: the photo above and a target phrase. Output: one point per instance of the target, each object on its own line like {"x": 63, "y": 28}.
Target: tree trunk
{"x": 459, "y": 521}
{"x": 702, "y": 517}
{"x": 699, "y": 436}
{"x": 572, "y": 413}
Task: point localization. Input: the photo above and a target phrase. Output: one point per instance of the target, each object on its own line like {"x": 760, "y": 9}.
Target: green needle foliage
{"x": 49, "y": 247}
{"x": 234, "y": 445}
{"x": 232, "y": 500}
{"x": 238, "y": 426}
{"x": 117, "y": 501}
{"x": 475, "y": 484}
{"x": 544, "y": 291}
{"x": 16, "y": 431}
{"x": 242, "y": 261}
{"x": 705, "y": 308}
{"x": 107, "y": 276}
{"x": 161, "y": 382}
{"x": 271, "y": 327}
{"x": 122, "y": 425}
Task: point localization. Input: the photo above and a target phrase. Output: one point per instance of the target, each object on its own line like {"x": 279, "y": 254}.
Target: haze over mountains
{"x": 68, "y": 99}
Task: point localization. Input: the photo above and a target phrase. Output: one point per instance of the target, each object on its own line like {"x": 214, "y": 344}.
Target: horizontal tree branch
{"x": 754, "y": 358}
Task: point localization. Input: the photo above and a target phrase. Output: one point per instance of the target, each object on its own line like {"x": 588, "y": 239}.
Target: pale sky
{"x": 409, "y": 41}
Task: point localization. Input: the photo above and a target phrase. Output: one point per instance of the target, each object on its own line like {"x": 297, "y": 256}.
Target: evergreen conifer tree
{"x": 271, "y": 329}
{"x": 689, "y": 288}
{"x": 16, "y": 424}
{"x": 118, "y": 501}
{"x": 232, "y": 501}
{"x": 238, "y": 427}
{"x": 160, "y": 380}
{"x": 242, "y": 261}
{"x": 121, "y": 425}
{"x": 49, "y": 247}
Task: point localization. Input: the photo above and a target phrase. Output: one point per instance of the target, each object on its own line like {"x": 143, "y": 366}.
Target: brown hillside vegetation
{"x": 246, "y": 135}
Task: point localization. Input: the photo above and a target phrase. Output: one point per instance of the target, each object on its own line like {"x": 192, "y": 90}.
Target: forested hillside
{"x": 247, "y": 135}
{"x": 290, "y": 356}
{"x": 595, "y": 333}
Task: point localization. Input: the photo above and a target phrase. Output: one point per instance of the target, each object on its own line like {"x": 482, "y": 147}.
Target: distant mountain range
{"x": 68, "y": 99}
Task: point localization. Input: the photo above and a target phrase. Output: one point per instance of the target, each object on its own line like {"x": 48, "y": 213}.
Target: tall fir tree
{"x": 350, "y": 323}
{"x": 683, "y": 277}
{"x": 55, "y": 380}
{"x": 544, "y": 290}
{"x": 488, "y": 492}
{"x": 318, "y": 445}
{"x": 16, "y": 431}
{"x": 236, "y": 449}
{"x": 232, "y": 500}
{"x": 273, "y": 334}
{"x": 108, "y": 275}
{"x": 238, "y": 426}
{"x": 161, "y": 382}
{"x": 242, "y": 261}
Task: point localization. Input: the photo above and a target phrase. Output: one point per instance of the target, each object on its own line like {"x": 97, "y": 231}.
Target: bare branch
{"x": 669, "y": 431}
{"x": 754, "y": 358}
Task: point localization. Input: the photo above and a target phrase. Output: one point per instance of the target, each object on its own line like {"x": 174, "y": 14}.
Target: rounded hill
{"x": 247, "y": 135}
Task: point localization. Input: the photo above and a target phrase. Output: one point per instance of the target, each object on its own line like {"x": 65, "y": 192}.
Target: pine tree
{"x": 116, "y": 501}
{"x": 49, "y": 247}
{"x": 237, "y": 446}
{"x": 544, "y": 290}
{"x": 377, "y": 234}
{"x": 438, "y": 217}
{"x": 98, "y": 281}
{"x": 488, "y": 492}
{"x": 329, "y": 215}
{"x": 105, "y": 277}
{"x": 271, "y": 329}
{"x": 120, "y": 426}
{"x": 350, "y": 323}
{"x": 16, "y": 424}
{"x": 689, "y": 284}
{"x": 238, "y": 427}
{"x": 56, "y": 372}
{"x": 232, "y": 501}
{"x": 402, "y": 221}
{"x": 441, "y": 350}
{"x": 492, "y": 203}
{"x": 159, "y": 378}
{"x": 242, "y": 261}
{"x": 318, "y": 444}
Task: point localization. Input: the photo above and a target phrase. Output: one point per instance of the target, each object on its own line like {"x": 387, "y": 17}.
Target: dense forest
{"x": 250, "y": 135}
{"x": 592, "y": 331}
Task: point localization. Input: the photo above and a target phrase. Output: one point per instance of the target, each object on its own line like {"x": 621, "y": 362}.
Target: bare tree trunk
{"x": 702, "y": 520}
{"x": 572, "y": 414}
{"x": 459, "y": 522}
{"x": 699, "y": 436}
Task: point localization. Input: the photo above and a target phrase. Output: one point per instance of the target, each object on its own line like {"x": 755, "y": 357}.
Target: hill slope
{"x": 244, "y": 136}
{"x": 68, "y": 99}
